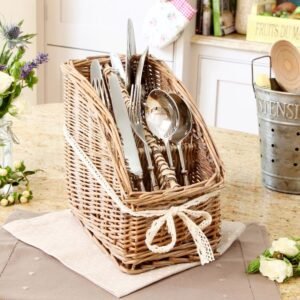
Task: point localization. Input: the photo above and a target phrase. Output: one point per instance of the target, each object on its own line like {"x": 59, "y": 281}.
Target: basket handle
{"x": 252, "y": 68}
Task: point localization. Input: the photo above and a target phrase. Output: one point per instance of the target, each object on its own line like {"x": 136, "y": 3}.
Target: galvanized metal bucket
{"x": 279, "y": 129}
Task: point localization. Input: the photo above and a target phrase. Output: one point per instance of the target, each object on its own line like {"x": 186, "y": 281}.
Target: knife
{"x": 124, "y": 126}
{"x": 131, "y": 50}
{"x": 117, "y": 66}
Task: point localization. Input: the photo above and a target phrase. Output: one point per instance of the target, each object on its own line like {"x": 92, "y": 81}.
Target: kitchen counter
{"x": 243, "y": 198}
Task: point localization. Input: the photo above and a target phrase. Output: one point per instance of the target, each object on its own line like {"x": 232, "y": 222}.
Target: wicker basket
{"x": 121, "y": 226}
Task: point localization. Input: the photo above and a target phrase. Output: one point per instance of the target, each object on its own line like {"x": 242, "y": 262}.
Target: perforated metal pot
{"x": 279, "y": 131}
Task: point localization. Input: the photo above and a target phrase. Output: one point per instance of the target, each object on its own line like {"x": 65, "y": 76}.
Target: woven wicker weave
{"x": 94, "y": 129}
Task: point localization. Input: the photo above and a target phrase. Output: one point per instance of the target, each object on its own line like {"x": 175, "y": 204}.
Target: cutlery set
{"x": 164, "y": 114}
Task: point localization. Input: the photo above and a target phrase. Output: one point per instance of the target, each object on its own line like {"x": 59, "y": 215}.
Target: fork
{"x": 135, "y": 115}
{"x": 99, "y": 85}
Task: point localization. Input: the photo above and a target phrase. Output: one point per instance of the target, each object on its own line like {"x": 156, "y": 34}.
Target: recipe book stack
{"x": 140, "y": 230}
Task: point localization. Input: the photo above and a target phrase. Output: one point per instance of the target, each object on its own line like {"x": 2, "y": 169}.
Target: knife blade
{"x": 117, "y": 66}
{"x": 131, "y": 50}
{"x": 124, "y": 126}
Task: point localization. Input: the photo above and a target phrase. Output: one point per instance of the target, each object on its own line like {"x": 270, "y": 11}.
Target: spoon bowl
{"x": 162, "y": 118}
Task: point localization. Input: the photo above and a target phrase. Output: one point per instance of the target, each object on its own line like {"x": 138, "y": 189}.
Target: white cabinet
{"x": 98, "y": 25}
{"x": 221, "y": 84}
{"x": 54, "y": 81}
{"x": 80, "y": 28}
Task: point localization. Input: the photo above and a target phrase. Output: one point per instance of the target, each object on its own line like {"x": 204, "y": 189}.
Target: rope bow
{"x": 203, "y": 247}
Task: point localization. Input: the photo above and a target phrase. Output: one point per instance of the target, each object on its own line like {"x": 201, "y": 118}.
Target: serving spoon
{"x": 183, "y": 130}
{"x": 162, "y": 118}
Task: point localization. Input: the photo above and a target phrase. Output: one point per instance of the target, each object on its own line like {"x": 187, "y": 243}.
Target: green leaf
{"x": 15, "y": 70}
{"x": 296, "y": 270}
{"x": 22, "y": 167}
{"x": 253, "y": 266}
{"x": 295, "y": 259}
{"x": 28, "y": 173}
{"x": 267, "y": 253}
{"x": 20, "y": 23}
{"x": 31, "y": 79}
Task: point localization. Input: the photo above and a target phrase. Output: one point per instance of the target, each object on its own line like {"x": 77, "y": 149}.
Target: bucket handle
{"x": 252, "y": 68}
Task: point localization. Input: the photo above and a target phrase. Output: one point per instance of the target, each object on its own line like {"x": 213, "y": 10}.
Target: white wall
{"x": 13, "y": 11}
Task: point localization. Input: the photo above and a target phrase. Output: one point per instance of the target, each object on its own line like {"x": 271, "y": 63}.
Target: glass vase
{"x": 7, "y": 139}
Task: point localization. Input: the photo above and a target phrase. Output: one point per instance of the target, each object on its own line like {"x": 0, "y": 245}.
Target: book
{"x": 199, "y": 17}
{"x": 223, "y": 12}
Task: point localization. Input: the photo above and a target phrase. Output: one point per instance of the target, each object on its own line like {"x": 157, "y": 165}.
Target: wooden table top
{"x": 243, "y": 198}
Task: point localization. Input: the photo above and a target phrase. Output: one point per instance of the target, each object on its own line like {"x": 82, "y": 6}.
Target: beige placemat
{"x": 18, "y": 261}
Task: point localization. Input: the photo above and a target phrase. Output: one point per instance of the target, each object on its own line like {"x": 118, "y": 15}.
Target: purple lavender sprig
{"x": 31, "y": 65}
{"x": 3, "y": 68}
{"x": 41, "y": 58}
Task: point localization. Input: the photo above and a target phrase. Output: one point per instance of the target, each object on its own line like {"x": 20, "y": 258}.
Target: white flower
{"x": 4, "y": 202}
{"x": 18, "y": 164}
{"x": 26, "y": 194}
{"x": 285, "y": 246}
{"x": 5, "y": 82}
{"x": 23, "y": 200}
{"x": 275, "y": 269}
{"x": 3, "y": 172}
{"x": 11, "y": 199}
{"x": 19, "y": 106}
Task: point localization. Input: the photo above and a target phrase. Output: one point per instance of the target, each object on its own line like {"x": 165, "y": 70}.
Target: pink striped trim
{"x": 185, "y": 8}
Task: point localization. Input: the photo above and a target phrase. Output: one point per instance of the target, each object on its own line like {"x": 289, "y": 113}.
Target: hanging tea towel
{"x": 166, "y": 20}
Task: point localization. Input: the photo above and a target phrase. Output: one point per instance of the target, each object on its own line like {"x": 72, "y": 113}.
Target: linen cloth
{"x": 91, "y": 262}
{"x": 166, "y": 20}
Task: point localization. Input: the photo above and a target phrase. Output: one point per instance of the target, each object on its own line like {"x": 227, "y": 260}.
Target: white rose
{"x": 19, "y": 106}
{"x": 285, "y": 246}
{"x": 5, "y": 82}
{"x": 275, "y": 269}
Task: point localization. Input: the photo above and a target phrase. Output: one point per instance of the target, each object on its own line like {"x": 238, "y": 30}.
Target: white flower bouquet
{"x": 280, "y": 262}
{"x": 16, "y": 73}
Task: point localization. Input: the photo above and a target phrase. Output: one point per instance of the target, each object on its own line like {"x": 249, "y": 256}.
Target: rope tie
{"x": 203, "y": 247}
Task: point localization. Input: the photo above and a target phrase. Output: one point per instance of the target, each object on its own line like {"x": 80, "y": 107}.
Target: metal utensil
{"x": 135, "y": 115}
{"x": 183, "y": 130}
{"x": 131, "y": 50}
{"x": 97, "y": 81}
{"x": 140, "y": 68}
{"x": 162, "y": 118}
{"x": 117, "y": 66}
{"x": 124, "y": 126}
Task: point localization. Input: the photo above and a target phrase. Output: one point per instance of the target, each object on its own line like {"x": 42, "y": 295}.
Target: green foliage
{"x": 15, "y": 177}
{"x": 294, "y": 261}
{"x": 253, "y": 266}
